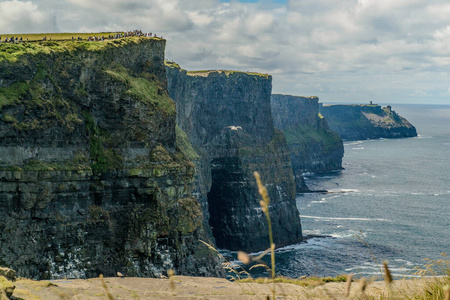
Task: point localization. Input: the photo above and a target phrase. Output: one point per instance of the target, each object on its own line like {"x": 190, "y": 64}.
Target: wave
{"x": 345, "y": 219}
{"x": 361, "y": 148}
{"x": 423, "y": 137}
{"x": 354, "y": 143}
{"x": 347, "y": 234}
{"x": 323, "y": 200}
{"x": 349, "y": 190}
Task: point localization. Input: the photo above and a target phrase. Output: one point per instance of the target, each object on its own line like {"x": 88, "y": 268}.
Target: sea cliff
{"x": 360, "y": 122}
{"x": 227, "y": 117}
{"x": 313, "y": 145}
{"x": 94, "y": 178}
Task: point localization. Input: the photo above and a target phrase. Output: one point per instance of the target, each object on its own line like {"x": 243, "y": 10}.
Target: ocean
{"x": 391, "y": 202}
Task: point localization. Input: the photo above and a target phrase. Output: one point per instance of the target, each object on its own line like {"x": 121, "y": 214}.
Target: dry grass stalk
{"x": 447, "y": 292}
{"x": 171, "y": 273}
{"x": 363, "y": 286}
{"x": 108, "y": 294}
{"x": 227, "y": 265}
{"x": 348, "y": 285}
{"x": 244, "y": 257}
{"x": 387, "y": 273}
{"x": 265, "y": 208}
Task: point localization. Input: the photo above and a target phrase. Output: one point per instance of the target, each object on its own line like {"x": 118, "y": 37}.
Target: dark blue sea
{"x": 392, "y": 202}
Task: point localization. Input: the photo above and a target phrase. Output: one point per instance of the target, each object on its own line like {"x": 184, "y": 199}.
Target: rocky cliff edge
{"x": 92, "y": 178}
{"x": 313, "y": 145}
{"x": 227, "y": 117}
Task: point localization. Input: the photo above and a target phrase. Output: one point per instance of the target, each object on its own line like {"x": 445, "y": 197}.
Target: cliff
{"x": 314, "y": 146}
{"x": 93, "y": 176}
{"x": 360, "y": 122}
{"x": 227, "y": 117}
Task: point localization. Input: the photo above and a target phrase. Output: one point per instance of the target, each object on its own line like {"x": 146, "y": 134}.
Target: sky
{"x": 351, "y": 51}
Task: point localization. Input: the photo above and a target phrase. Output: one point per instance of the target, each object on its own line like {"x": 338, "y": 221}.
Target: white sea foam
{"x": 354, "y": 143}
{"x": 405, "y": 262}
{"x": 346, "y": 219}
{"x": 423, "y": 137}
{"x": 349, "y": 191}
{"x": 346, "y": 234}
{"x": 360, "y": 148}
{"x": 333, "y": 197}
{"x": 323, "y": 200}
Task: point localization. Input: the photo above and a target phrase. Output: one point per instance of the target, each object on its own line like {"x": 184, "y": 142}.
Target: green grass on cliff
{"x": 302, "y": 135}
{"x": 228, "y": 73}
{"x": 103, "y": 159}
{"x": 184, "y": 145}
{"x": 150, "y": 92}
{"x": 13, "y": 93}
{"x": 172, "y": 64}
{"x": 33, "y": 37}
{"x": 12, "y": 52}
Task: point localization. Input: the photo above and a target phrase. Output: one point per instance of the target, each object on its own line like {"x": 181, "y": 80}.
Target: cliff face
{"x": 93, "y": 177}
{"x": 314, "y": 146}
{"x": 227, "y": 117}
{"x": 360, "y": 122}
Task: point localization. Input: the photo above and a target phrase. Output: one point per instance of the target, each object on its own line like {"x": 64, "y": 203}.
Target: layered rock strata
{"x": 360, "y": 122}
{"x": 227, "y": 117}
{"x": 93, "y": 176}
{"x": 314, "y": 146}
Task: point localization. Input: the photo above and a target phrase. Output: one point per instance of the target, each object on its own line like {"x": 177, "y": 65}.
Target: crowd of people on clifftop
{"x": 12, "y": 40}
{"x": 137, "y": 33}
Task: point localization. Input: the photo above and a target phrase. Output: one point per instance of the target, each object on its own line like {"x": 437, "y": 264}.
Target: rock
{"x": 313, "y": 145}
{"x": 8, "y": 273}
{"x": 360, "y": 122}
{"x": 92, "y": 179}
{"x": 6, "y": 288}
{"x": 226, "y": 116}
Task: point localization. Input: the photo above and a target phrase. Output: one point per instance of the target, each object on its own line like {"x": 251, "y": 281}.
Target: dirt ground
{"x": 182, "y": 287}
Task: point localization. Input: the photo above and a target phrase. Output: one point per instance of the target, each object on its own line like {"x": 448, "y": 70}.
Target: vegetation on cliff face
{"x": 300, "y": 137}
{"x": 185, "y": 145}
{"x": 102, "y": 159}
{"x": 313, "y": 145}
{"x": 145, "y": 89}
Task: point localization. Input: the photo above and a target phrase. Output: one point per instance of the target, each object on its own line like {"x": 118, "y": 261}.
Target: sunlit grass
{"x": 56, "y": 36}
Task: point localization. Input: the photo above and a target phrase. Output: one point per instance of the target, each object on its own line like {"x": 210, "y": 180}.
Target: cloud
{"x": 340, "y": 50}
{"x": 19, "y": 16}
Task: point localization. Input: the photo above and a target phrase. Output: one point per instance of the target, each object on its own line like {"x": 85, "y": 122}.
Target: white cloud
{"x": 345, "y": 50}
{"x": 19, "y": 16}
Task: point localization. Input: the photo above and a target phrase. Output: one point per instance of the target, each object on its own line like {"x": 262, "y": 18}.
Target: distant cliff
{"x": 360, "y": 122}
{"x": 94, "y": 176}
{"x": 314, "y": 146}
{"x": 227, "y": 117}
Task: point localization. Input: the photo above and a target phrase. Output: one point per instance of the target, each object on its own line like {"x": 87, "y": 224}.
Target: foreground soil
{"x": 183, "y": 287}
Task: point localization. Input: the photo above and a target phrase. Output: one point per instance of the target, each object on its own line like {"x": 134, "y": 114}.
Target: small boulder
{"x": 8, "y": 273}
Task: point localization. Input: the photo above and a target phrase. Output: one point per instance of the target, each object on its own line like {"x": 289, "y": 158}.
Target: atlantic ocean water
{"x": 391, "y": 202}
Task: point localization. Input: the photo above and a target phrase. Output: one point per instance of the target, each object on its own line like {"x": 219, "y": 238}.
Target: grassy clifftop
{"x": 205, "y": 73}
{"x": 12, "y": 52}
